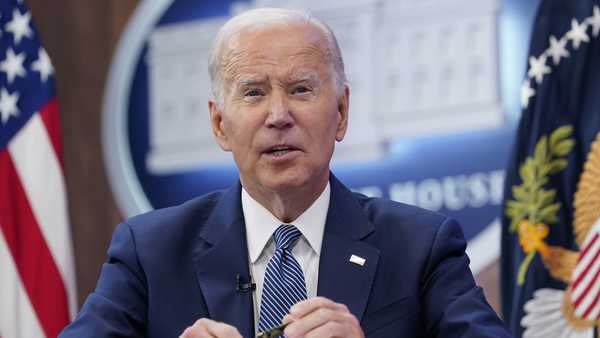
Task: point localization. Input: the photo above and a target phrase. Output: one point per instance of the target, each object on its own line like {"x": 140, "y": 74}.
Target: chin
{"x": 298, "y": 178}
{"x": 285, "y": 184}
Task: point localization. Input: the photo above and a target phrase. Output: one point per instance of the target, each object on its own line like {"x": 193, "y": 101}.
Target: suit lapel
{"x": 222, "y": 254}
{"x": 340, "y": 279}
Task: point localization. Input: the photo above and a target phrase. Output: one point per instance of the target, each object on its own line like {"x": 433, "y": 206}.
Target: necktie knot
{"x": 286, "y": 237}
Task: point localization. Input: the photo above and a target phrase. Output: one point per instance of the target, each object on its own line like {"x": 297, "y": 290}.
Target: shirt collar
{"x": 261, "y": 224}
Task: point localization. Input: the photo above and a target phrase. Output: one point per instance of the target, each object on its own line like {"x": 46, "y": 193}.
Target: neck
{"x": 288, "y": 204}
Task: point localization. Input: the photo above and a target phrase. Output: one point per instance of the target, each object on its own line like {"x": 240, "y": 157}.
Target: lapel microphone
{"x": 244, "y": 287}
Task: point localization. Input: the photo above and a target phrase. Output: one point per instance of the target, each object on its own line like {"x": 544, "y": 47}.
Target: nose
{"x": 279, "y": 115}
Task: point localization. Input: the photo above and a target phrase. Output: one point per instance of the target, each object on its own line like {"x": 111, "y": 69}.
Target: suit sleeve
{"x": 118, "y": 306}
{"x": 454, "y": 306}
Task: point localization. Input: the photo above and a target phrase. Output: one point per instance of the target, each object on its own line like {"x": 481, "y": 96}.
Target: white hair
{"x": 265, "y": 17}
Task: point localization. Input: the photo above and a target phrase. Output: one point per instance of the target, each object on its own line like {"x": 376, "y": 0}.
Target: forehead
{"x": 299, "y": 48}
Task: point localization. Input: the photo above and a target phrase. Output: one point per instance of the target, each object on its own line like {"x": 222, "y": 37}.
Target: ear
{"x": 216, "y": 120}
{"x": 343, "y": 109}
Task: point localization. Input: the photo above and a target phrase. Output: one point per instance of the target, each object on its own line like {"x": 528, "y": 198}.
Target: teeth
{"x": 280, "y": 148}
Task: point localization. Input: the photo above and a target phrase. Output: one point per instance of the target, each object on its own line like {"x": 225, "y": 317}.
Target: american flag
{"x": 585, "y": 290}
{"x": 37, "y": 278}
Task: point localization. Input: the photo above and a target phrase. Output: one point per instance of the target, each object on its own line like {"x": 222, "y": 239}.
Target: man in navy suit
{"x": 370, "y": 267}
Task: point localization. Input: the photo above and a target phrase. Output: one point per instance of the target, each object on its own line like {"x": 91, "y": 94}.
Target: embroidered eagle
{"x": 575, "y": 311}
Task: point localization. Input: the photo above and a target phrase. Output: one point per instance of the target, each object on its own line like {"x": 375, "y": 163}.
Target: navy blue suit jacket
{"x": 170, "y": 267}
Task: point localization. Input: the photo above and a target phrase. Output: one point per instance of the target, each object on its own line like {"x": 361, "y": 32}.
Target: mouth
{"x": 280, "y": 150}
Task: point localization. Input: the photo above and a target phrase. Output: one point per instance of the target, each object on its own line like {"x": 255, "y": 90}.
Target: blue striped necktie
{"x": 284, "y": 283}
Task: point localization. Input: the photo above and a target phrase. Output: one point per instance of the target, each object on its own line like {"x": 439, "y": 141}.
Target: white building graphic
{"x": 414, "y": 67}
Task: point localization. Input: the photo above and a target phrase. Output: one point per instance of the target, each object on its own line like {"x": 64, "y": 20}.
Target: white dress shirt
{"x": 260, "y": 226}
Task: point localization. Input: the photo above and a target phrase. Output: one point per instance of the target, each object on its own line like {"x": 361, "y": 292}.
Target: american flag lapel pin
{"x": 357, "y": 260}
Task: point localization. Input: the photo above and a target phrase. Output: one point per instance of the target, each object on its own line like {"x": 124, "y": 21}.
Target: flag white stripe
{"x": 17, "y": 317}
{"x": 31, "y": 151}
{"x": 587, "y": 259}
{"x": 588, "y": 278}
{"x": 595, "y": 312}
{"x": 592, "y": 294}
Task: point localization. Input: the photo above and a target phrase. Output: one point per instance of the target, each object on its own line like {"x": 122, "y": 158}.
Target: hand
{"x": 322, "y": 318}
{"x": 207, "y": 328}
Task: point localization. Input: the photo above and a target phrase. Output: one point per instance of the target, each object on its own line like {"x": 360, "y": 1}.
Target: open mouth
{"x": 279, "y": 150}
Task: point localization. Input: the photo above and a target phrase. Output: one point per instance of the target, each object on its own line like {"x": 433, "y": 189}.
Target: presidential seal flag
{"x": 37, "y": 279}
{"x": 550, "y": 244}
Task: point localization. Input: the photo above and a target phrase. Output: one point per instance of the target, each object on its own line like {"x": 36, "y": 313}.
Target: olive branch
{"x": 531, "y": 201}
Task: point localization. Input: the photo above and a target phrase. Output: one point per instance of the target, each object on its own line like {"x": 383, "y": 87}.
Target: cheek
{"x": 240, "y": 133}
{"x": 235, "y": 128}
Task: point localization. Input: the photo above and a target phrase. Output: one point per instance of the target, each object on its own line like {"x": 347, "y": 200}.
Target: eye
{"x": 253, "y": 93}
{"x": 301, "y": 90}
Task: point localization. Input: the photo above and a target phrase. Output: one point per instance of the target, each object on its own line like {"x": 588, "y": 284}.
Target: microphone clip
{"x": 243, "y": 287}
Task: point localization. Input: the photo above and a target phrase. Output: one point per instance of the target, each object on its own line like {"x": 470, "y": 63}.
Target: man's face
{"x": 282, "y": 113}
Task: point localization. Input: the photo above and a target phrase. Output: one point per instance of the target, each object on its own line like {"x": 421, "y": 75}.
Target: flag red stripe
{"x": 51, "y": 119}
{"x": 590, "y": 285}
{"x": 31, "y": 254}
{"x": 593, "y": 303}
{"x": 585, "y": 271}
{"x": 587, "y": 248}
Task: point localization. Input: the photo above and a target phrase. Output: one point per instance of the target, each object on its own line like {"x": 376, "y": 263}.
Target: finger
{"x": 208, "y": 328}
{"x": 347, "y": 327}
{"x": 319, "y": 317}
{"x": 304, "y": 307}
{"x": 222, "y": 330}
{"x": 287, "y": 319}
{"x": 196, "y": 331}
{"x": 329, "y": 330}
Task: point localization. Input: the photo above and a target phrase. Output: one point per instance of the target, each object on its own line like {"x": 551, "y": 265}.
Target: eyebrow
{"x": 298, "y": 77}
{"x": 250, "y": 80}
{"x": 304, "y": 77}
